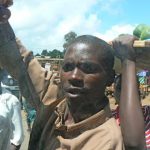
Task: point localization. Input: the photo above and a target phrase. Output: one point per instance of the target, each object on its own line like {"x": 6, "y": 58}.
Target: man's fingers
{"x": 4, "y": 14}
{"x": 6, "y": 3}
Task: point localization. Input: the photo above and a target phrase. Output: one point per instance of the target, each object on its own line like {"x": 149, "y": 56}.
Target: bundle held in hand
{"x": 142, "y": 47}
{"x": 6, "y": 3}
{"x": 142, "y": 31}
{"x": 4, "y": 11}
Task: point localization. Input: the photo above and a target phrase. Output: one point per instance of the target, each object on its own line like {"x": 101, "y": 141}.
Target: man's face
{"x": 83, "y": 78}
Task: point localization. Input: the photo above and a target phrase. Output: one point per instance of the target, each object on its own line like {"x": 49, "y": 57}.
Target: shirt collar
{"x": 87, "y": 124}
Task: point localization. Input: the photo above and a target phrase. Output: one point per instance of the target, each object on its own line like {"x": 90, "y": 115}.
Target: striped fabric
{"x": 146, "y": 113}
{"x": 142, "y": 80}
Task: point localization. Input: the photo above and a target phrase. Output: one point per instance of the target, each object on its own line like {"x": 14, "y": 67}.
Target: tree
{"x": 37, "y": 54}
{"x": 44, "y": 52}
{"x": 56, "y": 54}
{"x": 68, "y": 38}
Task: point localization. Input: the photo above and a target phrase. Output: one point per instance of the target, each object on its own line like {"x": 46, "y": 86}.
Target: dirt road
{"x": 24, "y": 145}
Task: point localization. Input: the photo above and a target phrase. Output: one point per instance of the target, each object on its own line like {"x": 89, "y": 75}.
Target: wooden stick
{"x": 141, "y": 43}
{"x": 138, "y": 43}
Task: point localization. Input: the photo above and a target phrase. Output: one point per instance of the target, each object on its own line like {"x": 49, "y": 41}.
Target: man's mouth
{"x": 75, "y": 92}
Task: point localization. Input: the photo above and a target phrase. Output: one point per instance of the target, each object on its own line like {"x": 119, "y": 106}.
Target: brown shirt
{"x": 99, "y": 132}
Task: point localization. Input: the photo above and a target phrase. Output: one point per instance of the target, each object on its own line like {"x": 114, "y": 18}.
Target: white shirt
{"x": 11, "y": 129}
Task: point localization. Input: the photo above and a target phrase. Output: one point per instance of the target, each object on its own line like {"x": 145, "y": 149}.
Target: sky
{"x": 42, "y": 24}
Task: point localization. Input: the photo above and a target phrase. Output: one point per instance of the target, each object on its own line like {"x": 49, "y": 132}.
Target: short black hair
{"x": 106, "y": 49}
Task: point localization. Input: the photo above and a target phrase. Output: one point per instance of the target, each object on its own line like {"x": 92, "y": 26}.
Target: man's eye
{"x": 89, "y": 68}
{"x": 68, "y": 67}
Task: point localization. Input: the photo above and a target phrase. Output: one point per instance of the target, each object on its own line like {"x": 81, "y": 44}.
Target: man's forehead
{"x": 83, "y": 48}
{"x": 83, "y": 57}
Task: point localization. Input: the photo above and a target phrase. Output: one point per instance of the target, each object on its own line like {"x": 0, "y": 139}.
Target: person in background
{"x": 11, "y": 129}
{"x": 30, "y": 113}
{"x": 145, "y": 108}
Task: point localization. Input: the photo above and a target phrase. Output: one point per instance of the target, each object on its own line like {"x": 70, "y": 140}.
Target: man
{"x": 74, "y": 113}
{"x": 11, "y": 129}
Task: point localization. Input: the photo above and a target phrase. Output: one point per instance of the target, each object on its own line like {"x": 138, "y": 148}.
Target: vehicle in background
{"x": 10, "y": 84}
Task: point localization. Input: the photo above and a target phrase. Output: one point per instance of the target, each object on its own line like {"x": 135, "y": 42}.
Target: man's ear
{"x": 111, "y": 76}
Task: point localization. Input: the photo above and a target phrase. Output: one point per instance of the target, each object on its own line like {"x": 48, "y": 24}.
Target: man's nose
{"x": 76, "y": 78}
{"x": 77, "y": 74}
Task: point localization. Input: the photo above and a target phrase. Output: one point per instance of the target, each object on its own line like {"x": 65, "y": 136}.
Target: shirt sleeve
{"x": 17, "y": 135}
{"x": 36, "y": 83}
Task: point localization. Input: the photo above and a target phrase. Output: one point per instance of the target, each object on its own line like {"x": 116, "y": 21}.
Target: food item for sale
{"x": 145, "y": 35}
{"x": 142, "y": 31}
{"x": 139, "y": 29}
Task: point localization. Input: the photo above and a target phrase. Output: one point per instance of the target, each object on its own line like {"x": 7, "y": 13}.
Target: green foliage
{"x": 53, "y": 54}
{"x": 68, "y": 38}
{"x": 44, "y": 52}
{"x": 56, "y": 53}
{"x": 37, "y": 54}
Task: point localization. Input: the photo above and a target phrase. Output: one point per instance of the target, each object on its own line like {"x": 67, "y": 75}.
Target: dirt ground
{"x": 24, "y": 146}
{"x": 146, "y": 101}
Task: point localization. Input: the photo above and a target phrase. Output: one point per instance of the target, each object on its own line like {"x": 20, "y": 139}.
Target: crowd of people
{"x": 72, "y": 110}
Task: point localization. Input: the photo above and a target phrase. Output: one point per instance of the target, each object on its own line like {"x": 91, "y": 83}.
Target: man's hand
{"x": 4, "y": 12}
{"x": 123, "y": 46}
{"x": 6, "y": 3}
{"x": 129, "y": 105}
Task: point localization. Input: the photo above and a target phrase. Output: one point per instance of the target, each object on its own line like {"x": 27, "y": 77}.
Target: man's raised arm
{"x": 35, "y": 82}
{"x": 11, "y": 59}
{"x": 131, "y": 116}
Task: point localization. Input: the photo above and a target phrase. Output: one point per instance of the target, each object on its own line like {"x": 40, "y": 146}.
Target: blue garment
{"x": 31, "y": 112}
